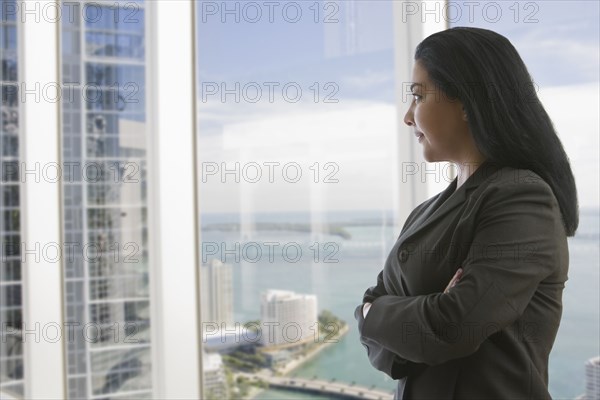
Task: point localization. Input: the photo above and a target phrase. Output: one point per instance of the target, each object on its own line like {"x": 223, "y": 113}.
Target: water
{"x": 339, "y": 287}
{"x": 275, "y": 394}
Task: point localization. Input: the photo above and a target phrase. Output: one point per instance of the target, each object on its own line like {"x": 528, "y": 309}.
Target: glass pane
{"x": 297, "y": 124}
{"x": 558, "y": 41}
{"x": 107, "y": 298}
{"x": 11, "y": 309}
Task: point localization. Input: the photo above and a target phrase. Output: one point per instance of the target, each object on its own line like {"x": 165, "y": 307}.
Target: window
{"x": 299, "y": 139}
{"x": 104, "y": 137}
{"x": 11, "y": 305}
{"x": 112, "y": 210}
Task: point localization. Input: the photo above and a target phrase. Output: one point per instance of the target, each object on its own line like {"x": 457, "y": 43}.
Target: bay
{"x": 340, "y": 280}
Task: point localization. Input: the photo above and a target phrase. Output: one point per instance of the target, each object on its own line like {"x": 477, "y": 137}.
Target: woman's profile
{"x": 469, "y": 301}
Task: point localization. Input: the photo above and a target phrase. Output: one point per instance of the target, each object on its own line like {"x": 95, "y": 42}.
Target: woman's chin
{"x": 428, "y": 156}
{"x": 432, "y": 157}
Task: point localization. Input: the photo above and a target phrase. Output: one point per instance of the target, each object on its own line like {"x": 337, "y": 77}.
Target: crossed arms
{"x": 405, "y": 333}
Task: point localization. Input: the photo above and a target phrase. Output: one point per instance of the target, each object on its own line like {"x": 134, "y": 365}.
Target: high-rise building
{"x": 105, "y": 203}
{"x": 11, "y": 309}
{"x": 288, "y": 318}
{"x": 215, "y": 384}
{"x": 592, "y": 378}
{"x": 98, "y": 233}
{"x": 217, "y": 293}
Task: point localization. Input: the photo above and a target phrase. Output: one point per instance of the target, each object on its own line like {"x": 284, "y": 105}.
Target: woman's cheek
{"x": 418, "y": 116}
{"x": 422, "y": 120}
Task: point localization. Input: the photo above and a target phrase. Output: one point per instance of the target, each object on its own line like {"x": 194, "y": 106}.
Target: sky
{"x": 345, "y": 116}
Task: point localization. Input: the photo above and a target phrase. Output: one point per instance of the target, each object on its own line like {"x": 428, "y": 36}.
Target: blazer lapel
{"x": 435, "y": 211}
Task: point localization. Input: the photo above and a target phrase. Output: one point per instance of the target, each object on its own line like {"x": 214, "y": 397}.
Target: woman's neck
{"x": 465, "y": 170}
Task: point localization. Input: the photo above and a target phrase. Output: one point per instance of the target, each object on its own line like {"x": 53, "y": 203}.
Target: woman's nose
{"x": 408, "y": 117}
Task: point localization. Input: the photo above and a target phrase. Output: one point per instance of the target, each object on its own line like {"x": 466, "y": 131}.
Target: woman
{"x": 469, "y": 301}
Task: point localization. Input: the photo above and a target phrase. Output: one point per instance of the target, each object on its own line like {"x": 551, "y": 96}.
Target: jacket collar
{"x": 432, "y": 211}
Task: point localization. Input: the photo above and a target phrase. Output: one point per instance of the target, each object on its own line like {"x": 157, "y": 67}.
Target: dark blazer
{"x": 490, "y": 336}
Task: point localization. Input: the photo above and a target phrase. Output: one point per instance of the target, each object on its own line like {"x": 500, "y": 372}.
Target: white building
{"x": 592, "y": 377}
{"x": 215, "y": 385}
{"x": 288, "y": 318}
{"x": 118, "y": 315}
{"x": 217, "y": 293}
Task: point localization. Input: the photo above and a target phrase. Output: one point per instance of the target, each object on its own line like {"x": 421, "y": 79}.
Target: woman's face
{"x": 440, "y": 123}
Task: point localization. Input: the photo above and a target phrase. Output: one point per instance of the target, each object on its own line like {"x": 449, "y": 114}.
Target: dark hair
{"x": 510, "y": 127}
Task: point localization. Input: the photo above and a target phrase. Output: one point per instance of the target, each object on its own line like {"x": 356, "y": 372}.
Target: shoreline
{"x": 295, "y": 364}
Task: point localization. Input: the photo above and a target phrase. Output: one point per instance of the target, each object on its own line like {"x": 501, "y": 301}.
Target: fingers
{"x": 365, "y": 309}
{"x": 454, "y": 280}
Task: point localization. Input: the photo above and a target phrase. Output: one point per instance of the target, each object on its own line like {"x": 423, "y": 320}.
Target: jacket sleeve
{"x": 517, "y": 243}
{"x": 375, "y": 291}
{"x": 381, "y": 358}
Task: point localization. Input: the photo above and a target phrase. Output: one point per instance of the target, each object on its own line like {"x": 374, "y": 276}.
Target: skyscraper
{"x": 287, "y": 318}
{"x": 11, "y": 309}
{"x": 87, "y": 175}
{"x": 107, "y": 295}
{"x": 215, "y": 385}
{"x": 217, "y": 293}
{"x": 592, "y": 377}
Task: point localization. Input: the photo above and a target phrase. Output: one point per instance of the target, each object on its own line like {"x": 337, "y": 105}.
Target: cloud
{"x": 368, "y": 80}
{"x": 574, "y": 112}
{"x": 352, "y": 144}
{"x": 359, "y": 137}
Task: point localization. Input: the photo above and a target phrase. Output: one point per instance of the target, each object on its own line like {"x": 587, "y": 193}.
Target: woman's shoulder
{"x": 497, "y": 177}
{"x": 509, "y": 185}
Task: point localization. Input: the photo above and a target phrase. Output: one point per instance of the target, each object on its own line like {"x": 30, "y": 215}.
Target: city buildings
{"x": 11, "y": 283}
{"x": 99, "y": 275}
{"x": 592, "y": 378}
{"x": 288, "y": 318}
{"x": 105, "y": 203}
{"x": 217, "y": 293}
{"x": 129, "y": 107}
{"x": 215, "y": 384}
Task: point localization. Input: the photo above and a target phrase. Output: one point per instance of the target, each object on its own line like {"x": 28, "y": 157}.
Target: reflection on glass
{"x": 11, "y": 309}
{"x": 297, "y": 141}
{"x": 104, "y": 147}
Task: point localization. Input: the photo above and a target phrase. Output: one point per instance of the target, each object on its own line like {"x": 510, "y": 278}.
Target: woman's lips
{"x": 420, "y": 136}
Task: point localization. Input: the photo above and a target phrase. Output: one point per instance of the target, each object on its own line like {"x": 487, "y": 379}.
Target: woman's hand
{"x": 451, "y": 284}
{"x": 365, "y": 309}
{"x": 454, "y": 280}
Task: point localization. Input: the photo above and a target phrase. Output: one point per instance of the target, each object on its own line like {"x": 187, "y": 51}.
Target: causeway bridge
{"x": 340, "y": 390}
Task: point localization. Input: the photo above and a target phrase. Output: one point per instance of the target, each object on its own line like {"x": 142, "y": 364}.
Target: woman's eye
{"x": 417, "y": 97}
